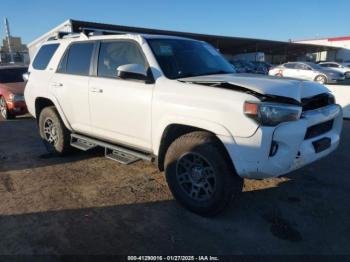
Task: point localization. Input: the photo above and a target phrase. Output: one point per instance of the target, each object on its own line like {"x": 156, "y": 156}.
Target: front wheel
{"x": 199, "y": 173}
{"x": 55, "y": 135}
{"x": 347, "y": 75}
{"x": 5, "y": 113}
{"x": 321, "y": 79}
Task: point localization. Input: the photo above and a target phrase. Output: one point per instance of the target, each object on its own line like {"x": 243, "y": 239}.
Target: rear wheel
{"x": 55, "y": 135}
{"x": 199, "y": 173}
{"x": 4, "y": 110}
{"x": 347, "y": 75}
{"x": 321, "y": 79}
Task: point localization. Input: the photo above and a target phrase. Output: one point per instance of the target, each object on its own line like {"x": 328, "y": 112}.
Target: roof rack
{"x": 91, "y": 31}
{"x": 85, "y": 32}
{"x": 64, "y": 35}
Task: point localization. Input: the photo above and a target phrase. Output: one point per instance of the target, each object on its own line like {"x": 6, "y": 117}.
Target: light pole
{"x": 8, "y": 35}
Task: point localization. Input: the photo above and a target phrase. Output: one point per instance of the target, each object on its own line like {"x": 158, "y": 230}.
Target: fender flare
{"x": 60, "y": 111}
{"x": 211, "y": 126}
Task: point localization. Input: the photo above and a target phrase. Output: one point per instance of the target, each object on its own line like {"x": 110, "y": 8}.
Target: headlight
{"x": 16, "y": 98}
{"x": 11, "y": 97}
{"x": 272, "y": 114}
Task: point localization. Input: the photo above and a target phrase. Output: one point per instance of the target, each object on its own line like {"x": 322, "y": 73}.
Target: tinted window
{"x": 77, "y": 59}
{"x": 185, "y": 58}
{"x": 12, "y": 75}
{"x": 302, "y": 67}
{"x": 289, "y": 65}
{"x": 114, "y": 54}
{"x": 44, "y": 56}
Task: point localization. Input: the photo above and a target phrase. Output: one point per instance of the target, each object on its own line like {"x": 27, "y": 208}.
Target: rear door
{"x": 304, "y": 72}
{"x": 71, "y": 82}
{"x": 289, "y": 70}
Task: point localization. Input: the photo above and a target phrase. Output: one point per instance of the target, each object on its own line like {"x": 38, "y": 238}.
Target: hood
{"x": 264, "y": 85}
{"x": 14, "y": 88}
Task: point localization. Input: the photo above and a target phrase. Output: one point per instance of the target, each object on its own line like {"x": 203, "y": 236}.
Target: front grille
{"x": 319, "y": 129}
{"x": 315, "y": 102}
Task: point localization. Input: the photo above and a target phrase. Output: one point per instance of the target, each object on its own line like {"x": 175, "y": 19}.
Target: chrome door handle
{"x": 96, "y": 90}
{"x": 56, "y": 84}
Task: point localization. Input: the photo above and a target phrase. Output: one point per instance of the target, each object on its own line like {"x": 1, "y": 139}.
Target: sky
{"x": 264, "y": 19}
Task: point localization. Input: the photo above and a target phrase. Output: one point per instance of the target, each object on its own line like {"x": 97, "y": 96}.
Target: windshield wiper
{"x": 210, "y": 73}
{"x": 220, "y": 72}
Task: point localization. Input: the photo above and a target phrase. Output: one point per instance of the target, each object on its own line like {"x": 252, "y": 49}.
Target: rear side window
{"x": 289, "y": 65}
{"x": 77, "y": 59}
{"x": 44, "y": 56}
{"x": 114, "y": 54}
{"x": 303, "y": 67}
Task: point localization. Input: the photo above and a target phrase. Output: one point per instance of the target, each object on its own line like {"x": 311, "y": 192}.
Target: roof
{"x": 329, "y": 39}
{"x": 134, "y": 36}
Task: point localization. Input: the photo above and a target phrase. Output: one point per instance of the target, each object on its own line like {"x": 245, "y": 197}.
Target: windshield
{"x": 185, "y": 58}
{"x": 12, "y": 75}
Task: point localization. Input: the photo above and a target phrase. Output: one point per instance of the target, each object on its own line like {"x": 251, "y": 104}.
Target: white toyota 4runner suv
{"x": 179, "y": 103}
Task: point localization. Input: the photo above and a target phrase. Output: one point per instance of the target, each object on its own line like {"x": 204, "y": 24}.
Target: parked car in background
{"x": 345, "y": 64}
{"x": 12, "y": 85}
{"x": 345, "y": 69}
{"x": 262, "y": 67}
{"x": 308, "y": 71}
{"x": 242, "y": 66}
{"x": 179, "y": 103}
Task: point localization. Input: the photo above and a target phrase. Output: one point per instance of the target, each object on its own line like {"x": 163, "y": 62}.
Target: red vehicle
{"x": 12, "y": 85}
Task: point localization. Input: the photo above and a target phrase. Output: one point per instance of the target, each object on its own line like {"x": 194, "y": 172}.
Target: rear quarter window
{"x": 44, "y": 56}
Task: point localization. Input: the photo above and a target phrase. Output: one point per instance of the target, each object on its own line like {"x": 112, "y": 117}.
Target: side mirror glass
{"x": 132, "y": 71}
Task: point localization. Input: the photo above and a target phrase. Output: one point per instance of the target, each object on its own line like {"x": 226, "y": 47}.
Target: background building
{"x": 12, "y": 50}
{"x": 341, "y": 54}
{"x": 19, "y": 50}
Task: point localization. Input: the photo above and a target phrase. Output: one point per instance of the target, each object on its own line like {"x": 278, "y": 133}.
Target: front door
{"x": 120, "y": 109}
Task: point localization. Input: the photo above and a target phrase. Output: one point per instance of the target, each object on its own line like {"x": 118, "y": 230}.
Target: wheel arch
{"x": 174, "y": 130}
{"x": 42, "y": 102}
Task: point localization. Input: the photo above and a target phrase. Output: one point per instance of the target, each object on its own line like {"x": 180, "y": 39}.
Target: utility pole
{"x": 8, "y": 35}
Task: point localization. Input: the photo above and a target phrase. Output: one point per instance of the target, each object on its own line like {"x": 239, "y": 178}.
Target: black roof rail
{"x": 90, "y": 31}
{"x": 60, "y": 35}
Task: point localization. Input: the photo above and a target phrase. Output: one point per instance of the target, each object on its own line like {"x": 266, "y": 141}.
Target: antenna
{"x": 8, "y": 35}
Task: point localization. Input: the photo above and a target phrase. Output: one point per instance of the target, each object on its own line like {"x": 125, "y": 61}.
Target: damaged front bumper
{"x": 299, "y": 143}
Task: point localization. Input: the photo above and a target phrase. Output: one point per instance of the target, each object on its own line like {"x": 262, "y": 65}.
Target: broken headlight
{"x": 272, "y": 114}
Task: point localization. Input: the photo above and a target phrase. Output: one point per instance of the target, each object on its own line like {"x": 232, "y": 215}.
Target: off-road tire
{"x": 227, "y": 182}
{"x": 62, "y": 145}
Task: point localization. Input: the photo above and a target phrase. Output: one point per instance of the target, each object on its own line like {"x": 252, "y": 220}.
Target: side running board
{"x": 114, "y": 152}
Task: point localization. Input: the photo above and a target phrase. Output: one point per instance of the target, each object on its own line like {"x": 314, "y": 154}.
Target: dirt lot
{"x": 86, "y": 204}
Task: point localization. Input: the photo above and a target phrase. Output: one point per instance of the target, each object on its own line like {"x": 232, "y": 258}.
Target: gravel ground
{"x": 86, "y": 204}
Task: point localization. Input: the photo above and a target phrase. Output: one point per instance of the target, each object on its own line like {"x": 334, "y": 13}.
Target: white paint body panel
{"x": 136, "y": 114}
